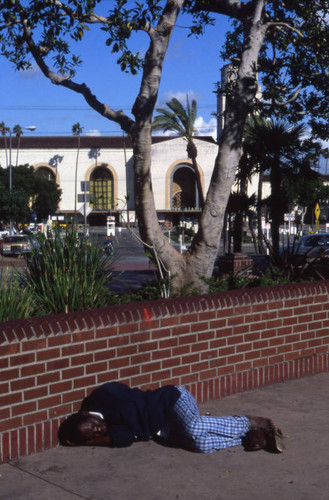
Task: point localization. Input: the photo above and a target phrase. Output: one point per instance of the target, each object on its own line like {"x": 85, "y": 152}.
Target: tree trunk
{"x": 198, "y": 261}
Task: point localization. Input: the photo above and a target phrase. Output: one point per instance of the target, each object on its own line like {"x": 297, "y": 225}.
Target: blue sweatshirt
{"x": 131, "y": 414}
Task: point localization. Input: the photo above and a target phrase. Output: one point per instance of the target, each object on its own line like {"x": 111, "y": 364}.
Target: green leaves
{"x": 68, "y": 273}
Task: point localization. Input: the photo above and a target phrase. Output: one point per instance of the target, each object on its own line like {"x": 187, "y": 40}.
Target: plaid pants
{"x": 204, "y": 434}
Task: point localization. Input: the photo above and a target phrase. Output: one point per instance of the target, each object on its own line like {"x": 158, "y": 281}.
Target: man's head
{"x": 81, "y": 429}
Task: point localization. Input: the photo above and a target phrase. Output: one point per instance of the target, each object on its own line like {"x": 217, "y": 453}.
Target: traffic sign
{"x": 317, "y": 211}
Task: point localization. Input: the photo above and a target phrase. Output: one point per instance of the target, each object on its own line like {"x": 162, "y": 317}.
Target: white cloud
{"x": 93, "y": 133}
{"x": 31, "y": 73}
{"x": 206, "y": 128}
{"x": 181, "y": 96}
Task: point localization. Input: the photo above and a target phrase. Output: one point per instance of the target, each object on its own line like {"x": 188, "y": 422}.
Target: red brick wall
{"x": 215, "y": 345}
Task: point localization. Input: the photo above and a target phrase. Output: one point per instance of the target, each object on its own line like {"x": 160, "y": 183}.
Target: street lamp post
{"x": 31, "y": 128}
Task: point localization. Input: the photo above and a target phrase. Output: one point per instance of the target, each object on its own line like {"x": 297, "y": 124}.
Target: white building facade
{"x": 105, "y": 164}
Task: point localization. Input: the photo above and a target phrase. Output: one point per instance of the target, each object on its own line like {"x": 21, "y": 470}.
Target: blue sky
{"x": 192, "y": 66}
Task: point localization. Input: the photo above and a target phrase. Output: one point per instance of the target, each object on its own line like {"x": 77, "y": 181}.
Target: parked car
{"x": 312, "y": 244}
{"x": 18, "y": 244}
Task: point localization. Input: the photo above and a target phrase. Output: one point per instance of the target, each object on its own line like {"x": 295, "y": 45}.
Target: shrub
{"x": 16, "y": 302}
{"x": 67, "y": 273}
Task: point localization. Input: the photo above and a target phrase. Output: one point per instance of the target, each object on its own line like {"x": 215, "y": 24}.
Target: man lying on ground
{"x": 117, "y": 415}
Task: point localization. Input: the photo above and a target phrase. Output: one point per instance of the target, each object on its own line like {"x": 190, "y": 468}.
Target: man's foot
{"x": 263, "y": 435}
{"x": 260, "y": 423}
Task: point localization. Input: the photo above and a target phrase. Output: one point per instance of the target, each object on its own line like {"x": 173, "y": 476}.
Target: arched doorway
{"x": 46, "y": 173}
{"x": 101, "y": 189}
{"x": 184, "y": 189}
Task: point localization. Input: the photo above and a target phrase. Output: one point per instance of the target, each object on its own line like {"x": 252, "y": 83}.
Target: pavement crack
{"x": 48, "y": 482}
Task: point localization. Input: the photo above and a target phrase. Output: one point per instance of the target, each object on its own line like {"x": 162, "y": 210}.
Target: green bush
{"x": 16, "y": 302}
{"x": 67, "y": 273}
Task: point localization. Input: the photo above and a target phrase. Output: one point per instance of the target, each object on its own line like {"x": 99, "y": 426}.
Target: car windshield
{"x": 15, "y": 239}
{"x": 314, "y": 241}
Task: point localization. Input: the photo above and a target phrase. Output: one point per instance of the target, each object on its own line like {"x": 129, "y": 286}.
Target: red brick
{"x": 35, "y": 418}
{"x": 119, "y": 363}
{"x": 200, "y": 346}
{"x": 236, "y": 358}
{"x": 207, "y": 315}
{"x": 243, "y": 366}
{"x": 20, "y": 409}
{"x": 84, "y": 381}
{"x": 131, "y": 371}
{"x": 141, "y": 358}
{"x": 96, "y": 367}
{"x": 22, "y": 359}
{"x": 14, "y": 444}
{"x": 47, "y": 444}
{"x": 22, "y": 441}
{"x": 187, "y": 339}
{"x": 188, "y": 379}
{"x": 48, "y": 402}
{"x": 127, "y": 350}
{"x": 170, "y": 362}
{"x": 10, "y": 399}
{"x": 251, "y": 355}
{"x": 34, "y": 345}
{"x": 148, "y": 346}
{"x": 160, "y": 354}
{"x": 142, "y": 336}
{"x": 139, "y": 380}
{"x": 4, "y": 413}
{"x": 178, "y": 351}
{"x": 35, "y": 369}
{"x": 76, "y": 395}
{"x": 11, "y": 423}
{"x": 30, "y": 440}
{"x": 217, "y": 324}
{"x": 60, "y": 340}
{"x": 159, "y": 376}
{"x": 217, "y": 362}
{"x": 23, "y": 383}
{"x": 237, "y": 330}
{"x": 9, "y": 350}
{"x": 36, "y": 393}
{"x": 48, "y": 378}
{"x": 190, "y": 318}
{"x": 236, "y": 339}
{"x": 60, "y": 387}
{"x": 118, "y": 341}
{"x": 170, "y": 321}
{"x": 199, "y": 327}
{"x": 58, "y": 364}
{"x": 81, "y": 359}
{"x": 213, "y": 344}
{"x": 150, "y": 367}
{"x": 101, "y": 378}
{"x": 73, "y": 349}
{"x": 235, "y": 320}
{"x": 190, "y": 358}
{"x": 170, "y": 342}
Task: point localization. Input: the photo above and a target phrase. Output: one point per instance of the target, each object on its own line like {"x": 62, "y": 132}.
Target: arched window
{"x": 184, "y": 189}
{"x": 101, "y": 189}
{"x": 46, "y": 173}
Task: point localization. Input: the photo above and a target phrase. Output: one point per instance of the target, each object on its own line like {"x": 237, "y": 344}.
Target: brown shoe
{"x": 263, "y": 439}
{"x": 255, "y": 440}
{"x": 274, "y": 442}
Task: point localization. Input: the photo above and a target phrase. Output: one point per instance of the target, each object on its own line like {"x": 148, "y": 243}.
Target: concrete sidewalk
{"x": 150, "y": 471}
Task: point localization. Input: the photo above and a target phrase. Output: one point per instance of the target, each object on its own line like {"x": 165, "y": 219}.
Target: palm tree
{"x": 277, "y": 147}
{"x": 180, "y": 120}
{"x": 4, "y": 130}
{"x": 76, "y": 130}
{"x": 18, "y": 131}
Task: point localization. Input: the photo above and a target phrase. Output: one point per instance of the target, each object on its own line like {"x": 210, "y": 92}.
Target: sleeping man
{"x": 116, "y": 415}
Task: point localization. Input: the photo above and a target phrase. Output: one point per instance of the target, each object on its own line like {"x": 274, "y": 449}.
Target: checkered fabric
{"x": 204, "y": 433}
